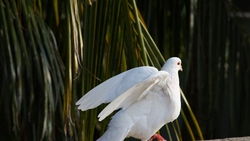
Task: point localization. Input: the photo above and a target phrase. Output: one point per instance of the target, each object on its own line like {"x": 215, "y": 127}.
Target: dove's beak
{"x": 181, "y": 69}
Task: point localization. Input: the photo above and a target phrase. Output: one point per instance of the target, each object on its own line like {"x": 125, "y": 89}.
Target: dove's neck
{"x": 174, "y": 76}
{"x": 172, "y": 72}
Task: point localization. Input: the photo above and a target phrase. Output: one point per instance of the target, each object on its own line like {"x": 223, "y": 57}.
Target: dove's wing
{"x": 114, "y": 87}
{"x": 135, "y": 93}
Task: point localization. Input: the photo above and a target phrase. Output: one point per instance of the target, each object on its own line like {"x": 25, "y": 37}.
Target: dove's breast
{"x": 152, "y": 113}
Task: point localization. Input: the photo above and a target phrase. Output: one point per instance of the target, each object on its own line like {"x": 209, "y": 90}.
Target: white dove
{"x": 147, "y": 99}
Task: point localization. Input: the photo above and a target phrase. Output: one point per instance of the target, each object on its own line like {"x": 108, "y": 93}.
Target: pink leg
{"x": 157, "y": 136}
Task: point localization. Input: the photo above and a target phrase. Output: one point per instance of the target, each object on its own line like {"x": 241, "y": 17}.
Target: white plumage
{"x": 147, "y": 99}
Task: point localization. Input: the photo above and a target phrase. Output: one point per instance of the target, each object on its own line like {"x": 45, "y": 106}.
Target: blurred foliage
{"x": 52, "y": 52}
{"x": 212, "y": 38}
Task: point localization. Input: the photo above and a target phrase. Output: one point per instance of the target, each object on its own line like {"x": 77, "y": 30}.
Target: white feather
{"x": 114, "y": 87}
{"x": 133, "y": 94}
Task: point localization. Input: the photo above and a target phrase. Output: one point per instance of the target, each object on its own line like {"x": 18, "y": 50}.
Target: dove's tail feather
{"x": 118, "y": 128}
{"x": 112, "y": 136}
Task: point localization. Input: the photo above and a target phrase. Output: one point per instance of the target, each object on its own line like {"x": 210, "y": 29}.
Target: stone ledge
{"x": 232, "y": 139}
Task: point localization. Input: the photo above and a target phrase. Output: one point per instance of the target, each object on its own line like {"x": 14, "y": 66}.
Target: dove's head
{"x": 173, "y": 64}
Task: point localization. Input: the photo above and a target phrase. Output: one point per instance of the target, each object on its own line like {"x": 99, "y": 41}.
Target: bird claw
{"x": 157, "y": 136}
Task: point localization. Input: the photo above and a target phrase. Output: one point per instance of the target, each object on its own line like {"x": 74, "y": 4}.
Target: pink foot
{"x": 157, "y": 136}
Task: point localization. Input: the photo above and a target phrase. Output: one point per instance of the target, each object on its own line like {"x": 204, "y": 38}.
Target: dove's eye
{"x": 178, "y": 63}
